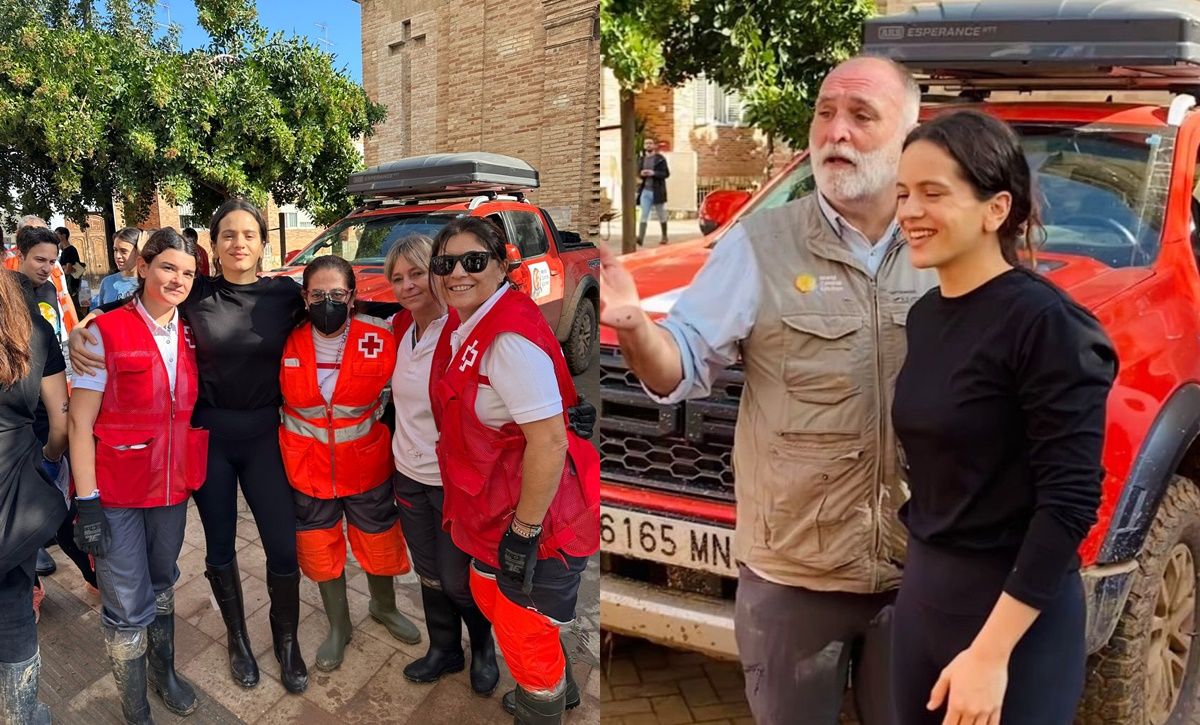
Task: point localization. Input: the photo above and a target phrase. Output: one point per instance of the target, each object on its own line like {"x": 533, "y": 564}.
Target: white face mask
{"x": 873, "y": 171}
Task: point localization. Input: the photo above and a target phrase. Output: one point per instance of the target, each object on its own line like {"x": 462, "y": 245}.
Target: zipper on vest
{"x": 332, "y": 447}
{"x": 877, "y": 514}
{"x": 170, "y": 447}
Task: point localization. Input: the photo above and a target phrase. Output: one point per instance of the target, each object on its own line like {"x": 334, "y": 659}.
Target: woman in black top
{"x": 240, "y": 322}
{"x": 1000, "y": 411}
{"x": 31, "y": 508}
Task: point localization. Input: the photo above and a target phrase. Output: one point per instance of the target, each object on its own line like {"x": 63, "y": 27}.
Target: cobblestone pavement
{"x": 368, "y": 688}
{"x": 646, "y": 684}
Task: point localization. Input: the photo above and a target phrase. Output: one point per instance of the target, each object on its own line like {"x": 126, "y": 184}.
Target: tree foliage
{"x": 96, "y": 105}
{"x": 774, "y": 52}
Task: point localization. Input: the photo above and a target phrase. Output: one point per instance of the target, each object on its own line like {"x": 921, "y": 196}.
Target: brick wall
{"x": 521, "y": 79}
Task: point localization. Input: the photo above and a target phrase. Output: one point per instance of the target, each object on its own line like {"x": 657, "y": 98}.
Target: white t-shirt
{"x": 414, "y": 445}
{"x": 165, "y": 336}
{"x": 328, "y": 351}
{"x": 522, "y": 386}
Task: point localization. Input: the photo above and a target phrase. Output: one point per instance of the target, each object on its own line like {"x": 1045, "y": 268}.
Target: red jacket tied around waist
{"x": 147, "y": 453}
{"x": 482, "y": 467}
{"x": 337, "y": 448}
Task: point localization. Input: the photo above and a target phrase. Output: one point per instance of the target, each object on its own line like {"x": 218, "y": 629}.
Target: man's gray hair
{"x": 31, "y": 220}
{"x": 912, "y": 89}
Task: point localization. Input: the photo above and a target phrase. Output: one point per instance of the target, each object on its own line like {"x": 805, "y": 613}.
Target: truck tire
{"x": 1147, "y": 673}
{"x": 580, "y": 346}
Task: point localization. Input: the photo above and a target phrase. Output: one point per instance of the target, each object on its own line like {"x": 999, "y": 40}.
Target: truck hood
{"x": 663, "y": 273}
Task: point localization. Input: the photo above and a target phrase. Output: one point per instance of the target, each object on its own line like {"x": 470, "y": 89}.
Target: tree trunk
{"x": 110, "y": 231}
{"x": 629, "y": 178}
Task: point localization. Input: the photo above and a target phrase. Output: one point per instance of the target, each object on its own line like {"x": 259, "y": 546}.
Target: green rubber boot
{"x": 333, "y": 650}
{"x": 383, "y": 610}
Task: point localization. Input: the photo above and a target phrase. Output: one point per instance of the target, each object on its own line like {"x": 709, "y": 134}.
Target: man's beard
{"x": 872, "y": 172}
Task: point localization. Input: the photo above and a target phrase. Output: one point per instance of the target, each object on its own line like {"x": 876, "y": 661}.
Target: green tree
{"x": 631, "y": 45}
{"x": 774, "y": 52}
{"x": 95, "y": 106}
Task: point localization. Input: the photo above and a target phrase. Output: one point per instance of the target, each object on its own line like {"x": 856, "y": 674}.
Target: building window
{"x": 186, "y": 217}
{"x": 716, "y": 106}
{"x": 294, "y": 218}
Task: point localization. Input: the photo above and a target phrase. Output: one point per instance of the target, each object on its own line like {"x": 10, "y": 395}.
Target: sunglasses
{"x": 318, "y": 296}
{"x": 472, "y": 263}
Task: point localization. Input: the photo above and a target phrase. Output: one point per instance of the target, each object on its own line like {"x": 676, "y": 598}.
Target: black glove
{"x": 91, "y": 528}
{"x": 581, "y": 418}
{"x": 518, "y": 556}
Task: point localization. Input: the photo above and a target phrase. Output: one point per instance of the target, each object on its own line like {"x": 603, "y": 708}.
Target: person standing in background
{"x": 71, "y": 264}
{"x": 652, "y": 189}
{"x": 201, "y": 256}
{"x": 123, "y": 283}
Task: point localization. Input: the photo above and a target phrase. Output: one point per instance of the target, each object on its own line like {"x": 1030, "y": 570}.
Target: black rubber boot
{"x": 18, "y": 692}
{"x": 444, "y": 626}
{"x": 484, "y": 672}
{"x": 509, "y": 701}
{"x": 382, "y": 608}
{"x": 532, "y": 710}
{"x": 284, "y": 590}
{"x": 664, "y": 232}
{"x": 226, "y": 584}
{"x": 337, "y": 608}
{"x": 176, "y": 693}
{"x": 641, "y": 233}
{"x": 127, "y": 654}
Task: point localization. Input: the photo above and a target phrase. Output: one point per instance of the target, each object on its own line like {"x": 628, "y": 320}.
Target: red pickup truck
{"x": 1121, "y": 206}
{"x": 418, "y": 195}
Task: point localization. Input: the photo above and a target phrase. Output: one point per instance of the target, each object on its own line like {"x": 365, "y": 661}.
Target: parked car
{"x": 419, "y": 195}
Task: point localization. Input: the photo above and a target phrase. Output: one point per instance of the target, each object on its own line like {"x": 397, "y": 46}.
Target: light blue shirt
{"x": 116, "y": 287}
{"x": 710, "y": 318}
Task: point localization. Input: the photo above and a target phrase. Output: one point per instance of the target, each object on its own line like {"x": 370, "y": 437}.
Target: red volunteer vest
{"x": 482, "y": 467}
{"x": 147, "y": 453}
{"x": 338, "y": 448}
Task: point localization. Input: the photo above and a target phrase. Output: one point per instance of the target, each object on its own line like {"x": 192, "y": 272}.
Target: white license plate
{"x": 670, "y": 541}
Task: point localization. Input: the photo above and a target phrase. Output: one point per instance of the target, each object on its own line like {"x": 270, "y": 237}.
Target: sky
{"x": 342, "y": 20}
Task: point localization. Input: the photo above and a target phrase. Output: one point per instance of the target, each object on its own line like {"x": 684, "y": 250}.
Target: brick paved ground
{"x": 646, "y": 684}
{"x": 77, "y": 685}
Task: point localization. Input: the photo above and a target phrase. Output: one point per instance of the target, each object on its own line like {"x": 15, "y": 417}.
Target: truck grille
{"x": 683, "y": 448}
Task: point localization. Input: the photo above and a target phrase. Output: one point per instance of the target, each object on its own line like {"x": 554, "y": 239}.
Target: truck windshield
{"x": 367, "y": 240}
{"x": 1102, "y": 190}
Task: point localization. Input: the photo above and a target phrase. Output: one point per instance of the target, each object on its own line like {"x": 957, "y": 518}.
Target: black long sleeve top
{"x": 1000, "y": 412}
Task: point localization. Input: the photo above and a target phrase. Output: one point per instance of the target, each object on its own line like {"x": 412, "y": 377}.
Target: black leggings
{"x": 243, "y": 447}
{"x": 945, "y": 599}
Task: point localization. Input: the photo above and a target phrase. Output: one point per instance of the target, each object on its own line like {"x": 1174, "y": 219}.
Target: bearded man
{"x": 812, "y": 298}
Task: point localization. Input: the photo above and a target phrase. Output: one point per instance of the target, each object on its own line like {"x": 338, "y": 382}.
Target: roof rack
{"x": 993, "y": 45}
{"x": 444, "y": 176}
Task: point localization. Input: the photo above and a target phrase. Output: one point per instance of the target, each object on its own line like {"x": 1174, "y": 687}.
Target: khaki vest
{"x": 815, "y": 460}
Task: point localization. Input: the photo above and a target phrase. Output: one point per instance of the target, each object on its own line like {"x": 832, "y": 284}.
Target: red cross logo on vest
{"x": 469, "y": 356}
{"x": 187, "y": 337}
{"x": 370, "y": 345}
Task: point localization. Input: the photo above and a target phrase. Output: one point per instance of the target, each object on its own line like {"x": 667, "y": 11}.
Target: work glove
{"x": 581, "y": 418}
{"x": 518, "y": 556}
{"x": 91, "y": 528}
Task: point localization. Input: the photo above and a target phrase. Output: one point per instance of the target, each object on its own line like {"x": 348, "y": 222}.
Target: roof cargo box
{"x": 1027, "y": 44}
{"x": 442, "y": 175}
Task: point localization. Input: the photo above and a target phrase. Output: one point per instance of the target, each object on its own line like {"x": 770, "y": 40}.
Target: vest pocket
{"x": 815, "y": 515}
{"x": 819, "y": 353}
{"x": 132, "y": 383}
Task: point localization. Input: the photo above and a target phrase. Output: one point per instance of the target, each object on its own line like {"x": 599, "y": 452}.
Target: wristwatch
{"x": 524, "y": 530}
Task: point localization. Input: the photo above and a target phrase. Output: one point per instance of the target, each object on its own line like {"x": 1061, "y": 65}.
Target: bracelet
{"x": 524, "y": 530}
